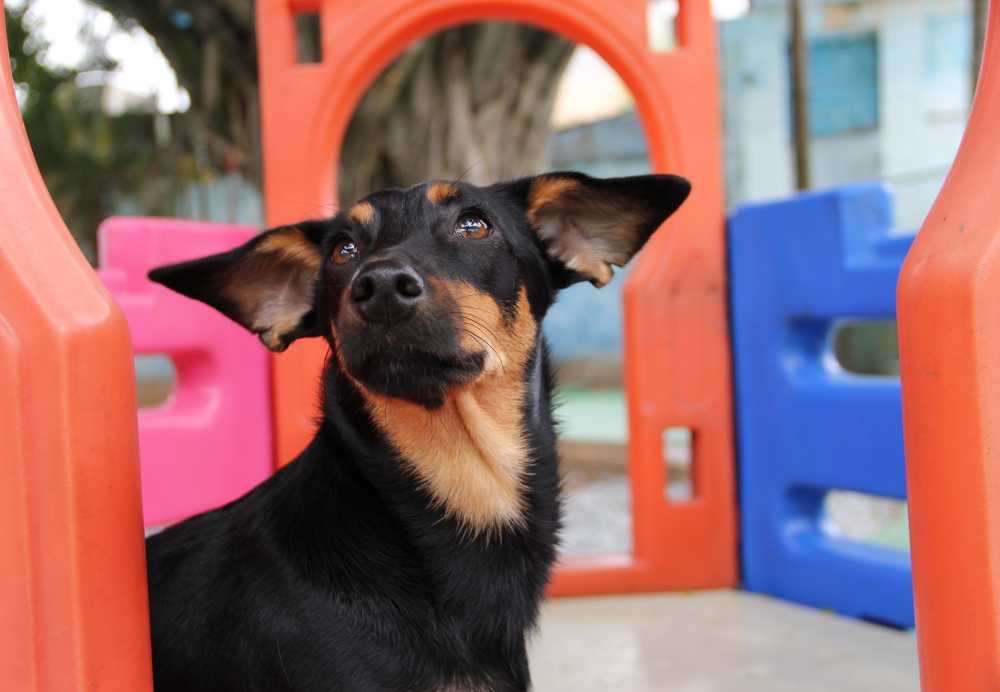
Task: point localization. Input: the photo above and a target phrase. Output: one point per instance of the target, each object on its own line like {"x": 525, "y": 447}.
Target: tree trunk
{"x": 472, "y": 102}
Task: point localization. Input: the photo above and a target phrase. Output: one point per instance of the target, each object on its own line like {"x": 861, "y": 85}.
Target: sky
{"x": 142, "y": 68}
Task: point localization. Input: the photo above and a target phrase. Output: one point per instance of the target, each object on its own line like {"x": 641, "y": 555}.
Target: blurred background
{"x": 150, "y": 107}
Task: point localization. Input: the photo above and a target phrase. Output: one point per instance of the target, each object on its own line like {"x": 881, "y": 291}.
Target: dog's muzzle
{"x": 386, "y": 291}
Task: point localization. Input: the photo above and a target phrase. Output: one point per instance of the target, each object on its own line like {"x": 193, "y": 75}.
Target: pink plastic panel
{"x": 210, "y": 442}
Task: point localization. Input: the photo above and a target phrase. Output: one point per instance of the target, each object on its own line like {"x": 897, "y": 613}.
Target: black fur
{"x": 340, "y": 572}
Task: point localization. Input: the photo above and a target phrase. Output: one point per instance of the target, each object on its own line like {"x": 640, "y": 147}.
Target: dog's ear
{"x": 589, "y": 224}
{"x": 267, "y": 285}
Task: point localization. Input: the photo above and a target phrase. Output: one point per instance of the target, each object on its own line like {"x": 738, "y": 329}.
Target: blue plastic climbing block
{"x": 806, "y": 426}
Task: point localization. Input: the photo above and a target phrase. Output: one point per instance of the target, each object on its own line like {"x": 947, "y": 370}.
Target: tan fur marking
{"x": 441, "y": 192}
{"x": 290, "y": 246}
{"x": 281, "y": 326}
{"x": 468, "y": 687}
{"x": 470, "y": 454}
{"x": 588, "y": 261}
{"x": 546, "y": 191}
{"x": 588, "y": 236}
{"x": 275, "y": 304}
{"x": 361, "y": 213}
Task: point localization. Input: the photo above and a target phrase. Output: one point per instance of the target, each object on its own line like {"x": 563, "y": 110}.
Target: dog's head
{"x": 429, "y": 288}
{"x": 432, "y": 300}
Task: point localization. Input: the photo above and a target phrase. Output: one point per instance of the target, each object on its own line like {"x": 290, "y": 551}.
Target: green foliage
{"x": 90, "y": 162}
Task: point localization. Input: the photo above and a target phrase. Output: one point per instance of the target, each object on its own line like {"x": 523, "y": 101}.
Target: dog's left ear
{"x": 589, "y": 224}
{"x": 267, "y": 285}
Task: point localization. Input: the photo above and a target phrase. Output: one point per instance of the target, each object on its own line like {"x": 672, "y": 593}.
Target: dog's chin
{"x": 417, "y": 376}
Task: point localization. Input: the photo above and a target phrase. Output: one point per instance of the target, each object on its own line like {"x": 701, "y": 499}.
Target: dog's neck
{"x": 469, "y": 456}
{"x": 476, "y": 573}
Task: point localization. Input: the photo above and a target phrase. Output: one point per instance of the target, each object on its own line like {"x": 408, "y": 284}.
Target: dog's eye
{"x": 472, "y": 227}
{"x": 344, "y": 252}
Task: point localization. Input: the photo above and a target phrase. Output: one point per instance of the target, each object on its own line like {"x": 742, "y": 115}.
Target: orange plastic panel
{"x": 73, "y": 611}
{"x": 677, "y": 355}
{"x": 948, "y": 307}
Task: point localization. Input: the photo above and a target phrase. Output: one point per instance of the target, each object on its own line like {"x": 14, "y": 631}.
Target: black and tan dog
{"x": 408, "y": 547}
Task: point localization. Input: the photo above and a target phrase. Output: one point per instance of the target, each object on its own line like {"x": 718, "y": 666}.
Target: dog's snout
{"x": 387, "y": 290}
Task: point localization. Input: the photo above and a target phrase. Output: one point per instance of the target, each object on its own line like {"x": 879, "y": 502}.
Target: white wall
{"x": 924, "y": 47}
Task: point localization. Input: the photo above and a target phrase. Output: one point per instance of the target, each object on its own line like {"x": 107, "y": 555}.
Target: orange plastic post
{"x": 73, "y": 610}
{"x": 948, "y": 307}
{"x": 677, "y": 355}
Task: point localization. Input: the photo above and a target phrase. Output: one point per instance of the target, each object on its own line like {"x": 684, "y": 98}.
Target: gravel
{"x": 597, "y": 518}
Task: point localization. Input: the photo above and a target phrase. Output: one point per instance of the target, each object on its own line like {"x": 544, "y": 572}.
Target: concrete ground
{"x": 714, "y": 641}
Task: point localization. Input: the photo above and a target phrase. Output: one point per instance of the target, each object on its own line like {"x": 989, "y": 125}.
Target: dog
{"x": 409, "y": 546}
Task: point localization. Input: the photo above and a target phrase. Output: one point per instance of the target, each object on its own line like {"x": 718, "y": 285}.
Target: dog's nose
{"x": 387, "y": 291}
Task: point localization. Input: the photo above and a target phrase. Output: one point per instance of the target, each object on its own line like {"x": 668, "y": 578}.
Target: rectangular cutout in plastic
{"x": 155, "y": 379}
{"x": 661, "y": 25}
{"x": 864, "y": 518}
{"x": 866, "y": 347}
{"x": 678, "y": 456}
{"x": 308, "y": 42}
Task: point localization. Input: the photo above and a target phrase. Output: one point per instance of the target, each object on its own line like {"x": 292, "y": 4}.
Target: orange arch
{"x": 342, "y": 96}
{"x": 676, "y": 341}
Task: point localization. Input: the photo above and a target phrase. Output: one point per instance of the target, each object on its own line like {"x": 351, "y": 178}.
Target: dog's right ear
{"x": 267, "y": 285}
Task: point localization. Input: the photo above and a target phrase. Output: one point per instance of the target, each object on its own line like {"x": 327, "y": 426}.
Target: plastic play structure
{"x": 806, "y": 425}
{"x": 73, "y": 604}
{"x": 73, "y": 612}
{"x": 949, "y": 339}
{"x": 212, "y": 441}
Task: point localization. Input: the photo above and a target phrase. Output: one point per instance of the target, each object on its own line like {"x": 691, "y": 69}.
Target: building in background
{"x": 889, "y": 96}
